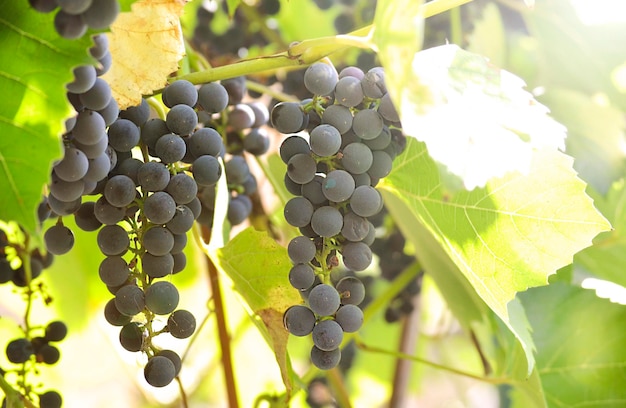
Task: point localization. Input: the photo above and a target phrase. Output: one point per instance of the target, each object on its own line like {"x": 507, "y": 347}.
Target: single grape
{"x": 206, "y": 170}
{"x": 367, "y": 124}
{"x": 387, "y": 109}
{"x": 301, "y": 250}
{"x": 373, "y": 83}
{"x": 324, "y": 300}
{"x": 50, "y": 399}
{"x": 237, "y": 170}
{"x": 366, "y": 201}
{"x": 352, "y": 71}
{"x": 213, "y": 97}
{"x": 129, "y": 300}
{"x": 113, "y": 240}
{"x": 327, "y": 221}
{"x": 158, "y": 241}
{"x": 356, "y": 256}
{"x": 59, "y": 239}
{"x": 19, "y": 351}
{"x": 120, "y": 191}
{"x": 162, "y": 298}
{"x": 131, "y": 336}
{"x": 62, "y": 207}
{"x": 153, "y": 176}
{"x": 338, "y": 186}
{"x": 357, "y": 158}
{"x": 101, "y": 14}
{"x": 181, "y": 324}
{"x": 43, "y": 6}
{"x": 381, "y": 141}
{"x": 180, "y": 92}
{"x": 338, "y": 116}
{"x": 236, "y": 89}
{"x": 205, "y": 141}
{"x": 287, "y": 117}
{"x": 241, "y": 117}
{"x": 74, "y": 165}
{"x": 325, "y": 140}
{"x": 381, "y": 164}
{"x": 238, "y": 210}
{"x": 123, "y": 135}
{"x": 180, "y": 261}
{"x": 181, "y": 119}
{"x": 170, "y": 148}
{"x": 301, "y": 276}
{"x": 98, "y": 96}
{"x": 348, "y": 92}
{"x": 180, "y": 241}
{"x": 94, "y": 150}
{"x": 159, "y": 207}
{"x": 327, "y": 335}
{"x": 256, "y": 142}
{"x": 114, "y": 271}
{"x": 182, "y": 188}
{"x": 182, "y": 221}
{"x": 299, "y": 320}
{"x": 84, "y": 78}
{"x": 55, "y": 331}
{"x": 350, "y": 318}
{"x": 320, "y": 78}
{"x": 301, "y": 168}
{"x": 325, "y": 360}
{"x": 355, "y": 228}
{"x": 298, "y": 211}
{"x": 157, "y": 266}
{"x": 159, "y": 371}
{"x": 98, "y": 169}
{"x": 351, "y": 290}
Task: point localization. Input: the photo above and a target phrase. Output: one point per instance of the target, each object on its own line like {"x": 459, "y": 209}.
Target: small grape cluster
{"x": 74, "y": 17}
{"x": 37, "y": 346}
{"x": 354, "y": 134}
{"x": 393, "y": 259}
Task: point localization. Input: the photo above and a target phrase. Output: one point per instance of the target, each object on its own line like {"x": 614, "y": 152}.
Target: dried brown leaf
{"x": 146, "y": 45}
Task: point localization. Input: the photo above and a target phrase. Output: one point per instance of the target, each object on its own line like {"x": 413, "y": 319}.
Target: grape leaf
{"x": 595, "y": 135}
{"x": 259, "y": 267}
{"x": 146, "y": 45}
{"x": 580, "y": 338}
{"x": 497, "y": 125}
{"x": 508, "y": 236}
{"x": 36, "y": 65}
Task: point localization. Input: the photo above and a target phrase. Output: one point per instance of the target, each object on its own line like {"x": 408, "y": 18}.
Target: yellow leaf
{"x": 146, "y": 45}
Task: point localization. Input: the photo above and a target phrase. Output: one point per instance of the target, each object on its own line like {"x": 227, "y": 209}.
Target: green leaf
{"x": 497, "y": 125}
{"x": 259, "y": 267}
{"x": 232, "y": 6}
{"x": 595, "y": 135}
{"x": 580, "y": 346}
{"x": 508, "y": 236}
{"x": 36, "y": 65}
{"x": 607, "y": 257}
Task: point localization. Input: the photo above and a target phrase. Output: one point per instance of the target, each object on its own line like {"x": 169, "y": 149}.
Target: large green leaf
{"x": 35, "y": 65}
{"x": 580, "y": 346}
{"x": 259, "y": 267}
{"x": 508, "y": 236}
{"x": 497, "y": 124}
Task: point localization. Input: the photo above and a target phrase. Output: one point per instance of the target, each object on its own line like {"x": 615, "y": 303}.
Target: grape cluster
{"x": 74, "y": 17}
{"x": 22, "y": 267}
{"x": 354, "y": 135}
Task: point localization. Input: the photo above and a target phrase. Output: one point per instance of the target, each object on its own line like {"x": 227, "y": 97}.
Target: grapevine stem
{"x": 274, "y": 93}
{"x": 338, "y": 385}
{"x": 227, "y": 361}
{"x": 360, "y": 344}
{"x": 183, "y": 395}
